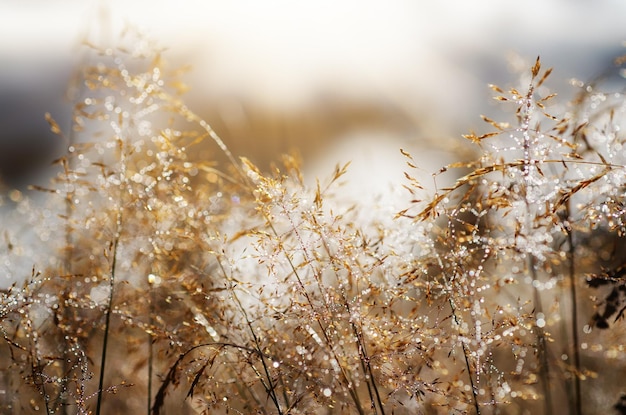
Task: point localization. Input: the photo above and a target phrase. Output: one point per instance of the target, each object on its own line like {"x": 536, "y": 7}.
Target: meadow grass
{"x": 185, "y": 279}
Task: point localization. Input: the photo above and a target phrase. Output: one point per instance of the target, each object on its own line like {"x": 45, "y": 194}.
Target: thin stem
{"x": 367, "y": 368}
{"x": 150, "y": 352}
{"x": 466, "y": 358}
{"x": 39, "y": 378}
{"x": 575, "y": 339}
{"x": 69, "y": 249}
{"x": 544, "y": 368}
{"x": 348, "y": 381}
{"x": 358, "y": 333}
{"x": 170, "y": 377}
{"x": 528, "y": 165}
{"x": 270, "y": 387}
{"x": 107, "y": 324}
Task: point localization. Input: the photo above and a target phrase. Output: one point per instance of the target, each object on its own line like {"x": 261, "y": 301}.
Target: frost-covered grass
{"x": 183, "y": 279}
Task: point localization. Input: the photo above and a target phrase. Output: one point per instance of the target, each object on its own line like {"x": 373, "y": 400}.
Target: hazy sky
{"x": 274, "y": 50}
{"x": 432, "y": 59}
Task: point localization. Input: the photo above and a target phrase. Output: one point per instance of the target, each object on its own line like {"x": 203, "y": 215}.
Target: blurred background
{"x": 335, "y": 81}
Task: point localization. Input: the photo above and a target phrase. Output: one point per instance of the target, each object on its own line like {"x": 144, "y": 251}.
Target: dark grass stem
{"x": 466, "y": 357}
{"x": 150, "y": 350}
{"x": 367, "y": 369}
{"x": 268, "y": 383}
{"x": 364, "y": 358}
{"x": 344, "y": 374}
{"x": 40, "y": 381}
{"x": 575, "y": 339}
{"x": 68, "y": 268}
{"x": 107, "y": 323}
{"x": 542, "y": 347}
{"x": 171, "y": 377}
